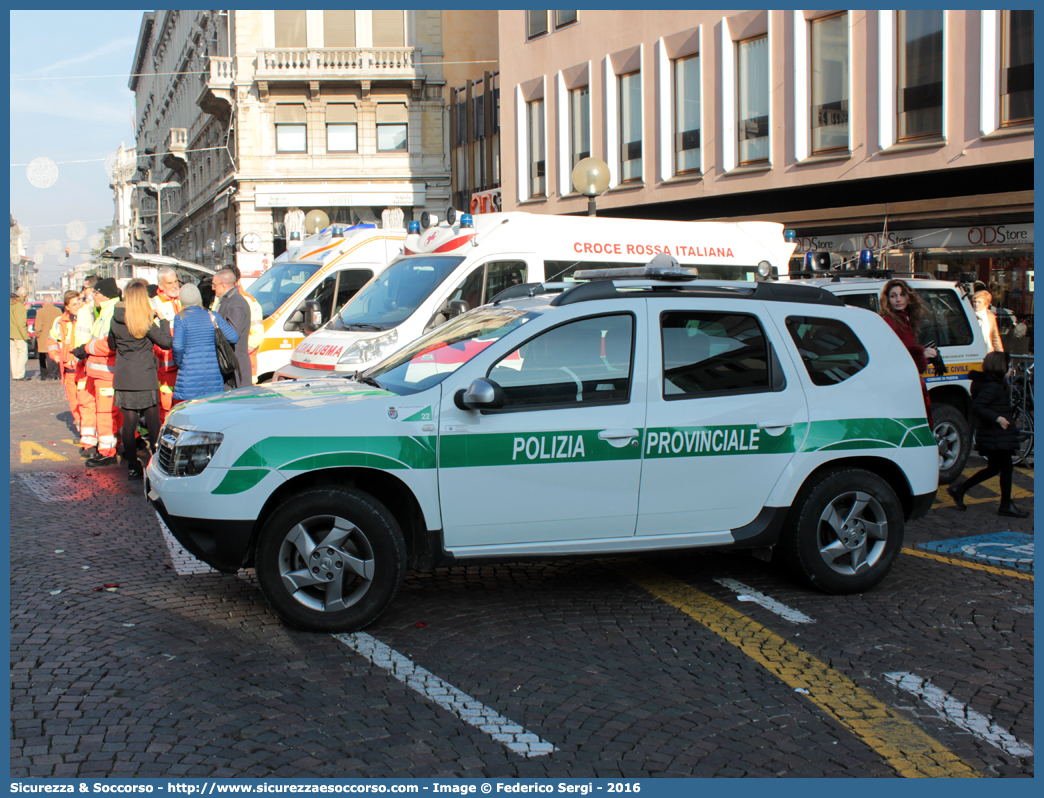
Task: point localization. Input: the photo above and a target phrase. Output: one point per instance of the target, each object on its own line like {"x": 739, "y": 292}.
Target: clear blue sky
{"x": 69, "y": 102}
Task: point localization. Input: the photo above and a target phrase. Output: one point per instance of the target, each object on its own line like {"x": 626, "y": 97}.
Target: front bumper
{"x": 222, "y": 544}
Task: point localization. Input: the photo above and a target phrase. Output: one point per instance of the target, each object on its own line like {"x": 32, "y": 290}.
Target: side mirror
{"x": 482, "y": 394}
{"x": 454, "y": 308}
{"x": 313, "y": 316}
{"x": 295, "y": 321}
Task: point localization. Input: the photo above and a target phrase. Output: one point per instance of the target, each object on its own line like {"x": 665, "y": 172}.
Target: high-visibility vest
{"x": 101, "y": 360}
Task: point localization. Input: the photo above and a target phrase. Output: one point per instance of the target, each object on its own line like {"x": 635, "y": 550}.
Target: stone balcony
{"x": 215, "y": 97}
{"x": 174, "y": 149}
{"x": 364, "y": 63}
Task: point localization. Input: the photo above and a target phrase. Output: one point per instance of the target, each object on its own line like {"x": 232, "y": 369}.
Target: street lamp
{"x": 158, "y": 188}
{"x": 591, "y": 178}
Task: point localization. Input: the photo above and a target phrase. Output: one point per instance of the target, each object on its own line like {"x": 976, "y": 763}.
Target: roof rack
{"x": 763, "y": 291}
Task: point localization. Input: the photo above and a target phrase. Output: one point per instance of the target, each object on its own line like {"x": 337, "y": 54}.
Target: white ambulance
{"x": 459, "y": 264}
{"x": 633, "y": 413}
{"x": 327, "y": 268}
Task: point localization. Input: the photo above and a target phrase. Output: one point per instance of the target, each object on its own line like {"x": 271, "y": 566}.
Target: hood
{"x": 984, "y": 377}
{"x": 253, "y": 406}
{"x": 119, "y": 314}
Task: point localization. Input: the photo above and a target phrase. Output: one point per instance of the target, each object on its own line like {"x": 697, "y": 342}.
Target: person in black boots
{"x": 134, "y": 331}
{"x": 996, "y": 436}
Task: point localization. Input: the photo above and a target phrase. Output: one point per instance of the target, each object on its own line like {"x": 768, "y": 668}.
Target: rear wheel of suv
{"x": 953, "y": 436}
{"x": 330, "y": 560}
{"x": 844, "y": 532}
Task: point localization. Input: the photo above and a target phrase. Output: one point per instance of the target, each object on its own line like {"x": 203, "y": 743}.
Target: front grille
{"x": 166, "y": 453}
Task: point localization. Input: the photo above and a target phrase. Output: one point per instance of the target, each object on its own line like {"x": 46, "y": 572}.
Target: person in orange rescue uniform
{"x": 101, "y": 367}
{"x": 167, "y": 306}
{"x": 85, "y": 317}
{"x": 61, "y": 340}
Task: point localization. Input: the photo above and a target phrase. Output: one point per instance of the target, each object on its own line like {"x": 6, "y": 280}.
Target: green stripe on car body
{"x": 304, "y": 453}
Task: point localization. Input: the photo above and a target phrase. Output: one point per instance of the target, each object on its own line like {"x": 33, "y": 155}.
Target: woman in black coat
{"x": 996, "y": 436}
{"x": 133, "y": 333}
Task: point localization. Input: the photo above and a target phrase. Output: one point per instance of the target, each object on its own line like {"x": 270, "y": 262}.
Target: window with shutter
{"x": 341, "y": 128}
{"x": 290, "y": 29}
{"x": 392, "y": 121}
{"x": 339, "y": 28}
{"x": 389, "y": 29}
{"x": 291, "y": 129}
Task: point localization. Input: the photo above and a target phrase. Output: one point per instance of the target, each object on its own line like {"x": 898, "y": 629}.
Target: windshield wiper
{"x": 368, "y": 381}
{"x": 361, "y": 326}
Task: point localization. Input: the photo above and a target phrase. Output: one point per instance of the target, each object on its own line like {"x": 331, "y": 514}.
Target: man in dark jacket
{"x": 45, "y": 319}
{"x": 235, "y": 310}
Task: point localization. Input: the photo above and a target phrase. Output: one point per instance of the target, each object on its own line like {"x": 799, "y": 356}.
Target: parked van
{"x": 451, "y": 267}
{"x": 328, "y": 269}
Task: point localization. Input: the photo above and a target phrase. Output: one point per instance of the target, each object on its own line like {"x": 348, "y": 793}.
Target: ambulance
{"x": 310, "y": 282}
{"x": 453, "y": 266}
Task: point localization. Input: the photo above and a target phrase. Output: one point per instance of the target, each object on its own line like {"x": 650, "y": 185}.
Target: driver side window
{"x": 499, "y": 275}
{"x": 580, "y": 363}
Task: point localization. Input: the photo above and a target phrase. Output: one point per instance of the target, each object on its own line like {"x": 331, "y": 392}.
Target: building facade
{"x": 255, "y": 126}
{"x": 907, "y": 132}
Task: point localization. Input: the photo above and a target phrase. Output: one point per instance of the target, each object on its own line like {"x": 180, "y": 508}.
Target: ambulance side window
{"x": 713, "y": 353}
{"x": 351, "y": 280}
{"x": 580, "y": 363}
{"x": 470, "y": 289}
{"x": 944, "y": 320}
{"x": 501, "y": 275}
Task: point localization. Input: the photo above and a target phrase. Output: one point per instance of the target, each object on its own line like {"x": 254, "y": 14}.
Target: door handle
{"x": 617, "y": 438}
{"x": 774, "y": 427}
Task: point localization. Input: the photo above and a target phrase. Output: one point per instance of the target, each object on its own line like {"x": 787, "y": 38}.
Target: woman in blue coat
{"x": 195, "y": 353}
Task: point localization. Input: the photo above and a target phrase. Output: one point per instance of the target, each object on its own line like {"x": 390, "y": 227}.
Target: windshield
{"x": 433, "y": 357}
{"x": 278, "y": 284}
{"x": 393, "y": 297}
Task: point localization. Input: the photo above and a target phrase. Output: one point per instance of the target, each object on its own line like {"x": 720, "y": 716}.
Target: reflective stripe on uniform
{"x": 107, "y": 391}
{"x": 166, "y": 389}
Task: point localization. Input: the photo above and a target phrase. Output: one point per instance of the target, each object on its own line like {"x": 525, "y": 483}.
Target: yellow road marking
{"x": 975, "y": 566}
{"x": 993, "y": 484}
{"x": 31, "y": 450}
{"x": 902, "y": 744}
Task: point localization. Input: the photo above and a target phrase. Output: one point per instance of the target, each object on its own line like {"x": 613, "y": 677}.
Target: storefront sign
{"x": 997, "y": 236}
{"x": 340, "y": 195}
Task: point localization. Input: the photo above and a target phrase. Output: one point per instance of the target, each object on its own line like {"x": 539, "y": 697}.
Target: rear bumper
{"x": 920, "y": 506}
{"x": 222, "y": 544}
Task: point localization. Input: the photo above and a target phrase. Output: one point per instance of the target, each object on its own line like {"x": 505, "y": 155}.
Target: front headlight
{"x": 370, "y": 349}
{"x": 186, "y": 452}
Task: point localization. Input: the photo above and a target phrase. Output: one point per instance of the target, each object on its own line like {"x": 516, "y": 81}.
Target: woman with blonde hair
{"x": 902, "y": 310}
{"x": 134, "y": 331}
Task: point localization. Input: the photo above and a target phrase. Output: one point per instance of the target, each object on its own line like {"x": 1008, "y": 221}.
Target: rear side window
{"x": 829, "y": 349}
{"x": 708, "y": 353}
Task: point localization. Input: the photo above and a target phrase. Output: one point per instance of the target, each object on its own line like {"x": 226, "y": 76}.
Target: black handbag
{"x": 228, "y": 363}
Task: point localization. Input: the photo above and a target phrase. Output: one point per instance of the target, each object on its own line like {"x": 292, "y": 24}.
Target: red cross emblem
{"x": 431, "y": 238}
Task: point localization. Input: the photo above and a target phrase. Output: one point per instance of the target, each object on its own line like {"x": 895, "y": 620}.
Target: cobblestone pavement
{"x": 129, "y": 659}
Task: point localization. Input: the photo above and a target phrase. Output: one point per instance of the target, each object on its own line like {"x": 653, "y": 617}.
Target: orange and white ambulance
{"x": 456, "y": 265}
{"x": 327, "y": 268}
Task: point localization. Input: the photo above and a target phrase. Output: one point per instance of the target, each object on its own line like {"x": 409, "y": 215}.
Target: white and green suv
{"x": 625, "y": 414}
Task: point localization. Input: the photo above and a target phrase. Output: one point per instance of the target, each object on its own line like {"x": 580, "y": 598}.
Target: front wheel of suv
{"x": 330, "y": 560}
{"x": 844, "y": 532}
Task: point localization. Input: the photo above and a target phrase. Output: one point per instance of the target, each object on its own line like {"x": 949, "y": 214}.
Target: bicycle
{"x": 1022, "y": 401}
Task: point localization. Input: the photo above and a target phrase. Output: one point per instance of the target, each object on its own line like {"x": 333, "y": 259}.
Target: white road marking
{"x": 510, "y": 734}
{"x": 750, "y": 594}
{"x": 960, "y": 714}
